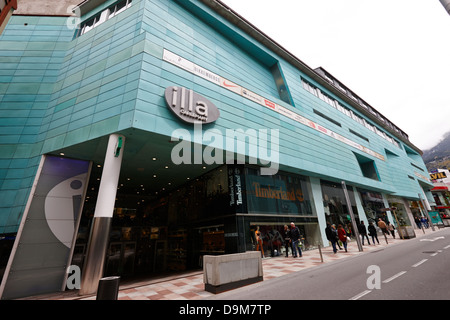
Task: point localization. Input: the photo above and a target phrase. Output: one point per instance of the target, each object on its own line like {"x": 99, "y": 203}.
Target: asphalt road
{"x": 417, "y": 269}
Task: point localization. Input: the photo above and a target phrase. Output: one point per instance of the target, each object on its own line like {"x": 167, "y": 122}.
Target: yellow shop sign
{"x": 269, "y": 192}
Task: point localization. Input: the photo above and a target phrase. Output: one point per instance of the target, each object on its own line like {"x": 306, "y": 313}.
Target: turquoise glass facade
{"x": 62, "y": 93}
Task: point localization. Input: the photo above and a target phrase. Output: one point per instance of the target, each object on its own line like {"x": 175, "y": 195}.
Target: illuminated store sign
{"x": 190, "y": 106}
{"x": 269, "y": 192}
{"x": 438, "y": 175}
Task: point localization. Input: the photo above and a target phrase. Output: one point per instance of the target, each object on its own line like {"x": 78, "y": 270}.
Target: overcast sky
{"x": 394, "y": 54}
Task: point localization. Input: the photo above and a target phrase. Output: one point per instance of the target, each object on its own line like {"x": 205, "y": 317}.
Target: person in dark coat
{"x": 331, "y": 236}
{"x": 363, "y": 232}
{"x": 373, "y": 233}
{"x": 287, "y": 240}
{"x": 295, "y": 237}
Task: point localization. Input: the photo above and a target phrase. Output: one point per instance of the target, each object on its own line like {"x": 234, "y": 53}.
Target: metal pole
{"x": 320, "y": 251}
{"x": 398, "y": 225}
{"x": 104, "y": 209}
{"x": 352, "y": 216}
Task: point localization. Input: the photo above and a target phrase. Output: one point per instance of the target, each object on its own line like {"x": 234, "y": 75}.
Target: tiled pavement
{"x": 190, "y": 286}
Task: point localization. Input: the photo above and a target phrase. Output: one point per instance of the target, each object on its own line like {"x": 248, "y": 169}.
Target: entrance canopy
{"x": 146, "y": 161}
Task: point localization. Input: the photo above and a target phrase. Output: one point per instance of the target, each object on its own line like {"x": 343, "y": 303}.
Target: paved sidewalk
{"x": 190, "y": 286}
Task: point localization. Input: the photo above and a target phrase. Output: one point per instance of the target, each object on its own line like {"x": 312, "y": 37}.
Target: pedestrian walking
{"x": 342, "y": 236}
{"x": 417, "y": 221}
{"x": 295, "y": 237}
{"x": 382, "y": 225}
{"x": 392, "y": 229}
{"x": 373, "y": 233}
{"x": 424, "y": 222}
{"x": 287, "y": 240}
{"x": 335, "y": 233}
{"x": 331, "y": 236}
{"x": 363, "y": 232}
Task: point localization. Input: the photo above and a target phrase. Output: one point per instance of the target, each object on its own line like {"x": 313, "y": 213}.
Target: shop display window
{"x": 278, "y": 194}
{"x": 400, "y": 215}
{"x": 272, "y": 237}
{"x": 335, "y": 204}
{"x": 373, "y": 204}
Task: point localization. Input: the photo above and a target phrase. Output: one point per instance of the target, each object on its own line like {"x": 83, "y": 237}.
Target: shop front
{"x": 335, "y": 205}
{"x": 271, "y": 203}
{"x": 161, "y": 232}
{"x": 403, "y": 218}
{"x": 373, "y": 205}
{"x": 441, "y": 197}
{"x": 215, "y": 213}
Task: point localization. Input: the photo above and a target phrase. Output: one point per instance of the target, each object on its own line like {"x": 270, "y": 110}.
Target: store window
{"x": 272, "y": 237}
{"x": 335, "y": 204}
{"x": 373, "y": 204}
{"x": 278, "y": 194}
{"x": 401, "y": 218}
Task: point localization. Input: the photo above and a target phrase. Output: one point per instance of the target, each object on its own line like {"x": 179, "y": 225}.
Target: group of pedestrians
{"x": 421, "y": 222}
{"x": 292, "y": 239}
{"x": 338, "y": 236}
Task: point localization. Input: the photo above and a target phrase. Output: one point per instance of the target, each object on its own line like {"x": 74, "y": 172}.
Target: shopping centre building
{"x": 148, "y": 133}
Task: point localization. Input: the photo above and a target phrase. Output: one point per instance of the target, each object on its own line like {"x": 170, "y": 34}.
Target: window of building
{"x": 326, "y": 117}
{"x": 340, "y": 87}
{"x": 358, "y": 135}
{"x": 310, "y": 88}
{"x": 282, "y": 88}
{"x": 367, "y": 166}
{"x": 348, "y": 112}
{"x": 103, "y": 16}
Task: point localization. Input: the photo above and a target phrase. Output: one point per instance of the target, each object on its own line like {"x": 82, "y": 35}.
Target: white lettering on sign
{"x": 190, "y": 106}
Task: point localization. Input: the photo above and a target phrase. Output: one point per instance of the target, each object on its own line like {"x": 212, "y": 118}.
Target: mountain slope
{"x": 439, "y": 155}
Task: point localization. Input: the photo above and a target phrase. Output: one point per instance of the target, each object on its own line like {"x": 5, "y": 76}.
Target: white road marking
{"x": 432, "y": 240}
{"x": 446, "y": 247}
{"x": 360, "y": 295}
{"x": 394, "y": 277}
{"x": 419, "y": 263}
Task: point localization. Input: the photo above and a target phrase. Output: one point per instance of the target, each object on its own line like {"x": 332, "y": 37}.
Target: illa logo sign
{"x": 190, "y": 106}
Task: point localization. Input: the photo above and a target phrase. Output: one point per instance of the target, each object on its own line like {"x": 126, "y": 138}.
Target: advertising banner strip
{"x": 224, "y": 83}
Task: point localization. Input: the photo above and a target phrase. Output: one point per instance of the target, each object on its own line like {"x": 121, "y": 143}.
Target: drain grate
{"x": 429, "y": 252}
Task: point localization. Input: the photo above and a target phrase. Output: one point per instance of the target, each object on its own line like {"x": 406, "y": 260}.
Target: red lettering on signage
{"x": 322, "y": 129}
{"x": 229, "y": 85}
{"x": 270, "y": 104}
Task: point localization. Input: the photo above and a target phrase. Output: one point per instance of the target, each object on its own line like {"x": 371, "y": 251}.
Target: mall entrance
{"x": 160, "y": 232}
{"x": 155, "y": 233}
